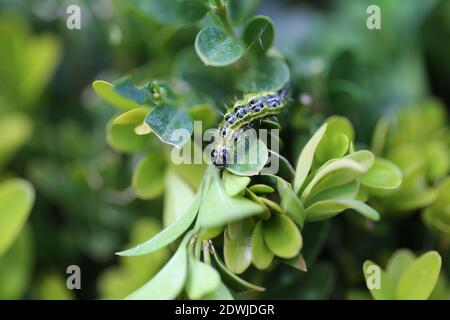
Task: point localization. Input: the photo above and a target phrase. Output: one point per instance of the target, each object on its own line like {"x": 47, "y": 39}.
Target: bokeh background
{"x": 52, "y": 133}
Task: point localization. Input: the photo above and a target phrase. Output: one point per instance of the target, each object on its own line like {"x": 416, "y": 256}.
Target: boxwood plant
{"x": 220, "y": 223}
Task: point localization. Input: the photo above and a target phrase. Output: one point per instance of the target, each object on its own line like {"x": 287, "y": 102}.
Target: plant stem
{"x": 221, "y": 10}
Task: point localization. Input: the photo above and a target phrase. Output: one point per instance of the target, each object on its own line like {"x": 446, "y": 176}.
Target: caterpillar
{"x": 244, "y": 113}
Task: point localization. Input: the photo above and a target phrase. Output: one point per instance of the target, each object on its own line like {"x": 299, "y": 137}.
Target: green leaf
{"x": 148, "y": 176}
{"x": 290, "y": 203}
{"x": 237, "y": 248}
{"x": 382, "y": 176}
{"x": 201, "y": 279}
{"x": 123, "y": 138}
{"x": 252, "y": 160}
{"x": 123, "y": 93}
{"x": 16, "y": 201}
{"x": 221, "y": 293}
{"x": 259, "y": 33}
{"x": 282, "y": 236}
{"x": 15, "y": 130}
{"x": 328, "y": 208}
{"x": 398, "y": 263}
{"x": 364, "y": 157}
{"x": 348, "y": 191}
{"x": 169, "y": 281}
{"x": 234, "y": 282}
{"x": 215, "y": 48}
{"x": 173, "y": 12}
{"x": 386, "y": 291}
{"x": 177, "y": 196}
{"x": 218, "y": 208}
{"x": 170, "y": 233}
{"x": 261, "y": 189}
{"x": 337, "y": 139}
{"x": 269, "y": 73}
{"x": 306, "y": 157}
{"x": 419, "y": 279}
{"x": 333, "y": 173}
{"x": 261, "y": 255}
{"x": 171, "y": 125}
{"x": 134, "y": 116}
{"x": 234, "y": 184}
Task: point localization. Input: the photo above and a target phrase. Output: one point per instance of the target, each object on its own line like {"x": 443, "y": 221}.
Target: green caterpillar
{"x": 244, "y": 114}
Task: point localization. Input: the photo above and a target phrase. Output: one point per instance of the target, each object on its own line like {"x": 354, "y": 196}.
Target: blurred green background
{"x": 52, "y": 133}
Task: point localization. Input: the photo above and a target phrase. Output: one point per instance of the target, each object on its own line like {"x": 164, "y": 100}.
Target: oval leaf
{"x": 261, "y": 255}
{"x": 171, "y": 125}
{"x": 237, "y": 249}
{"x": 419, "y": 279}
{"x": 216, "y": 48}
{"x": 282, "y": 236}
{"x": 259, "y": 34}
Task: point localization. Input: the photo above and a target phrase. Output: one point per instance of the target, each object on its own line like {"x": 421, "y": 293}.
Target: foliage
{"x": 365, "y": 131}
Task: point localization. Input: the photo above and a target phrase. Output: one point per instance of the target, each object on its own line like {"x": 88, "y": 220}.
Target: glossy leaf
{"x": 383, "y": 175}
{"x": 326, "y": 209}
{"x": 259, "y": 34}
{"x": 398, "y": 263}
{"x": 172, "y": 126}
{"x": 306, "y": 157}
{"x": 344, "y": 170}
{"x": 233, "y": 281}
{"x": 123, "y": 93}
{"x": 216, "y": 48}
{"x": 218, "y": 208}
{"x": 290, "y": 203}
{"x": 419, "y": 279}
{"x": 234, "y": 184}
{"x": 282, "y": 236}
{"x": 337, "y": 139}
{"x": 261, "y": 189}
{"x": 237, "y": 247}
{"x": 261, "y": 255}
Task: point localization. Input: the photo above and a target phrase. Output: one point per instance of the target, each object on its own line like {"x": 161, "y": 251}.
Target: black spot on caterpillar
{"x": 243, "y": 115}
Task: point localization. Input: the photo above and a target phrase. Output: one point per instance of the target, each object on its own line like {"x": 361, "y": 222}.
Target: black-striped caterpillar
{"x": 242, "y": 115}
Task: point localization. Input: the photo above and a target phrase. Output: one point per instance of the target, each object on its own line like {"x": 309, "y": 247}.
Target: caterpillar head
{"x": 220, "y": 157}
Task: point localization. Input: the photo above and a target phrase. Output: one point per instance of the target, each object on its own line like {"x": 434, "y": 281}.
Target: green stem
{"x": 222, "y": 12}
